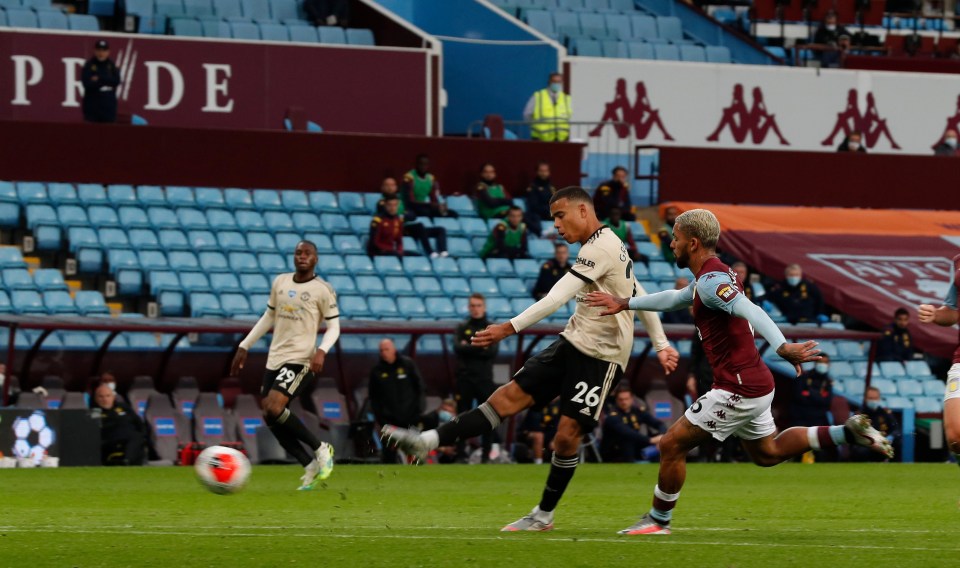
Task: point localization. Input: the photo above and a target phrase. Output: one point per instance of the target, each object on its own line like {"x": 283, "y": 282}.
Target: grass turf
{"x": 729, "y": 515}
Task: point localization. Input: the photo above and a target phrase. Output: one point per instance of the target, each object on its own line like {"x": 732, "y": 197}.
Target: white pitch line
{"x": 622, "y": 540}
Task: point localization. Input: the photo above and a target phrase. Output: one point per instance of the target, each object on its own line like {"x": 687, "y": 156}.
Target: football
{"x": 222, "y": 470}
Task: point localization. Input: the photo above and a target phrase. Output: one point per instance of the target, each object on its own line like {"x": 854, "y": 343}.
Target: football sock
{"x": 663, "y": 504}
{"x": 480, "y": 420}
{"x": 295, "y": 426}
{"x": 561, "y": 472}
{"x": 827, "y": 436}
{"x": 290, "y": 443}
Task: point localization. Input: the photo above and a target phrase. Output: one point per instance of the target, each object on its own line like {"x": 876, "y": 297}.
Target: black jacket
{"x": 538, "y": 197}
{"x": 396, "y": 392}
{"x": 895, "y": 345}
{"x": 802, "y": 302}
{"x": 550, "y": 273}
{"x": 473, "y": 363}
{"x": 120, "y": 423}
{"x": 100, "y": 80}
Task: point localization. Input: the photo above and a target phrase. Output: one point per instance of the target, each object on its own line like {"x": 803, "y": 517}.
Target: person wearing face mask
{"x": 884, "y": 420}
{"x": 812, "y": 395}
{"x": 396, "y": 391}
{"x": 549, "y": 111}
{"x": 100, "y": 78}
{"x": 797, "y": 298}
{"x": 948, "y": 147}
{"x": 121, "y": 430}
{"x": 829, "y": 32}
{"x": 852, "y": 143}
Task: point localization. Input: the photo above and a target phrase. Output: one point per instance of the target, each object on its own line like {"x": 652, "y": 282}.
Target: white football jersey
{"x": 299, "y": 310}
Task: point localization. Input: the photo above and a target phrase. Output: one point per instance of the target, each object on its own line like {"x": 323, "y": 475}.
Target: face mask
{"x": 444, "y": 416}
{"x": 853, "y": 146}
{"x": 952, "y": 142}
{"x": 555, "y": 87}
{"x": 822, "y": 368}
{"x": 113, "y": 386}
{"x": 873, "y": 404}
{"x": 831, "y": 27}
{"x": 793, "y": 280}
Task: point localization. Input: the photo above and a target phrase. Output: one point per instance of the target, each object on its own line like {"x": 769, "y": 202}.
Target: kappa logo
{"x": 754, "y": 122}
{"x": 912, "y": 279}
{"x": 710, "y": 424}
{"x": 953, "y": 123}
{"x": 869, "y": 123}
{"x": 720, "y": 414}
{"x": 586, "y": 411}
{"x": 623, "y": 115}
{"x": 734, "y": 398}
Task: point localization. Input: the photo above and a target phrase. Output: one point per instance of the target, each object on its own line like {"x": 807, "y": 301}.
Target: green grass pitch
{"x": 729, "y": 515}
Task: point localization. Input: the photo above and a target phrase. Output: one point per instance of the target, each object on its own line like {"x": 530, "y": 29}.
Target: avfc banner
{"x": 198, "y": 82}
{"x": 746, "y": 106}
{"x": 866, "y": 262}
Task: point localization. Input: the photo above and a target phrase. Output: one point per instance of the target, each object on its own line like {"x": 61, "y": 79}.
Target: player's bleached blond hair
{"x": 700, "y": 224}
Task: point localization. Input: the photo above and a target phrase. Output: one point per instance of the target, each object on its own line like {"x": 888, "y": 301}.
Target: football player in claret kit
{"x": 739, "y": 402}
{"x": 948, "y": 315}
{"x": 299, "y": 303}
{"x": 581, "y": 366}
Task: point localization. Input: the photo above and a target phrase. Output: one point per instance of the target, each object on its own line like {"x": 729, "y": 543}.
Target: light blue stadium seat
{"x": 615, "y": 48}
{"x": 213, "y": 261}
{"x": 244, "y": 30}
{"x": 202, "y": 240}
{"x": 499, "y": 308}
{"x": 462, "y": 205}
{"x": 841, "y": 369}
{"x": 917, "y": 368}
{"x": 121, "y": 194}
{"x": 353, "y": 306}
{"x": 851, "y": 350}
{"x": 258, "y": 10}
{"x": 933, "y": 387}
{"x": 72, "y": 216}
{"x": 886, "y": 386}
{"x": 644, "y": 27}
{"x": 179, "y": 196}
{"x": 18, "y": 279}
{"x": 89, "y": 260}
{"x": 221, "y": 282}
{"x": 541, "y": 249}
{"x": 332, "y": 35}
{"x": 273, "y": 263}
{"x": 909, "y": 387}
{"x": 129, "y": 282}
{"x": 171, "y": 8}
{"x": 274, "y": 32}
{"x": 441, "y": 308}
{"x": 308, "y": 222}
{"x": 427, "y": 286}
{"x": 400, "y": 286}
{"x": 132, "y": 217}
{"x": 124, "y": 258}
{"x": 26, "y": 302}
{"x": 90, "y": 302}
{"x": 234, "y": 305}
{"x": 926, "y": 405}
{"x": 191, "y": 218}
{"x": 567, "y": 24}
{"x": 417, "y": 266}
{"x": 500, "y": 267}
{"x": 195, "y": 282}
{"x": 216, "y": 29}
{"x": 513, "y": 288}
{"x": 892, "y": 369}
{"x": 303, "y": 33}
{"x": 221, "y": 219}
{"x": 370, "y": 285}
{"x": 332, "y": 264}
{"x": 81, "y": 340}
{"x": 21, "y": 18}
{"x": 640, "y": 50}
{"x": 29, "y": 192}
{"x": 49, "y": 279}
{"x": 412, "y": 308}
{"x": 269, "y": 199}
{"x": 5, "y": 305}
{"x": 471, "y": 267}
{"x": 383, "y": 307}
{"x": 456, "y": 287}
{"x": 360, "y": 223}
{"x": 285, "y": 10}
{"x": 162, "y": 218}
{"x": 666, "y": 52}
{"x": 718, "y": 54}
{"x": 360, "y": 265}
{"x": 348, "y": 245}
{"x": 238, "y": 198}
{"x": 445, "y": 266}
{"x": 187, "y": 27}
{"x": 352, "y": 204}
{"x": 163, "y": 280}
{"x": 205, "y": 304}
{"x": 59, "y": 302}
{"x": 41, "y": 214}
{"x": 139, "y": 239}
{"x": 241, "y": 261}
{"x": 542, "y": 21}
{"x": 227, "y": 8}
{"x": 46, "y": 237}
{"x": 520, "y": 304}
{"x": 619, "y": 25}
{"x": 898, "y": 402}
{"x": 286, "y": 242}
{"x": 343, "y": 284}
{"x": 251, "y": 220}
{"x": 254, "y": 283}
{"x": 669, "y": 28}
{"x": 692, "y": 53}
{"x": 208, "y": 197}
{"x": 388, "y": 266}
{"x": 198, "y": 8}
{"x": 52, "y": 20}
{"x": 183, "y": 260}
{"x": 474, "y": 227}
{"x": 261, "y": 242}
{"x": 323, "y": 201}
{"x": 333, "y": 223}
{"x": 486, "y": 286}
{"x": 360, "y": 36}
{"x": 587, "y": 48}
{"x": 83, "y": 22}
{"x": 460, "y": 247}
{"x": 526, "y": 268}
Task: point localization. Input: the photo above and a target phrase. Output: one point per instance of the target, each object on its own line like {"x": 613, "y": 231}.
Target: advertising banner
{"x": 774, "y": 108}
{"x": 198, "y": 82}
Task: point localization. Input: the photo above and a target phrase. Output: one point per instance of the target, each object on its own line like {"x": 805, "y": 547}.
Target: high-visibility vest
{"x": 551, "y": 121}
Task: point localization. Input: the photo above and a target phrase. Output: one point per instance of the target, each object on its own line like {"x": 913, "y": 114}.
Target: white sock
{"x": 431, "y": 439}
{"x": 538, "y": 461}
{"x": 812, "y": 438}
{"x": 545, "y": 517}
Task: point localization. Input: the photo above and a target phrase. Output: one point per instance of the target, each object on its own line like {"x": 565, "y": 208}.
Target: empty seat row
{"x": 267, "y": 31}
{"x": 47, "y": 19}
{"x": 562, "y": 25}
{"x": 644, "y": 50}
{"x": 84, "y": 302}
{"x": 600, "y": 6}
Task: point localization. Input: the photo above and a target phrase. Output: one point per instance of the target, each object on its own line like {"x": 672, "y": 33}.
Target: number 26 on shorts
{"x": 583, "y": 396}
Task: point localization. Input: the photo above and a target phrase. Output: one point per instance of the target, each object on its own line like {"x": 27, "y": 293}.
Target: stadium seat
{"x": 41, "y": 214}
{"x": 486, "y": 286}
{"x": 462, "y": 205}
{"x": 18, "y": 279}
{"x": 120, "y": 194}
{"x": 244, "y": 30}
{"x": 234, "y": 305}
{"x": 541, "y": 249}
{"x": 162, "y": 218}
{"x": 174, "y": 239}
{"x": 231, "y": 241}
{"x": 886, "y": 386}
{"x": 417, "y": 266}
{"x": 59, "y": 302}
{"x": 718, "y": 54}
{"x": 666, "y": 52}
{"x": 205, "y": 304}
{"x": 343, "y": 284}
{"x": 471, "y": 267}
{"x": 221, "y": 219}
{"x": 388, "y": 266}
{"x": 851, "y": 350}
{"x": 133, "y": 217}
{"x": 333, "y": 264}
{"x": 212, "y": 261}
{"x": 208, "y": 197}
{"x": 352, "y": 203}
{"x": 90, "y": 302}
{"x": 251, "y": 220}
{"x": 30, "y": 192}
{"x": 445, "y": 266}
{"x": 191, "y": 218}
{"x": 427, "y": 286}
{"x": 181, "y": 260}
{"x": 360, "y": 36}
{"x": 323, "y": 201}
{"x": 49, "y": 279}
{"x": 221, "y": 282}
{"x": 916, "y": 368}
{"x": 500, "y": 267}
{"x": 179, "y": 196}
{"x": 411, "y": 308}
{"x": 332, "y": 35}
{"x": 909, "y": 387}
{"x": 348, "y": 245}
{"x": 370, "y": 285}
{"x": 892, "y": 369}
{"x": 335, "y": 223}
{"x": 456, "y": 287}
{"x": 383, "y": 307}
{"x": 670, "y": 28}
{"x": 400, "y": 286}
{"x": 83, "y": 23}
{"x": 927, "y": 405}
{"x": 513, "y": 288}
{"x": 21, "y": 18}
{"x": 360, "y": 265}
{"x": 441, "y": 308}
{"x": 353, "y": 306}
{"x": 692, "y": 53}
{"x": 195, "y": 282}
{"x": 187, "y": 27}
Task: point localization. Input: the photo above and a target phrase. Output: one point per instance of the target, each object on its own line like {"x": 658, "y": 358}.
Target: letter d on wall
{"x": 153, "y": 85}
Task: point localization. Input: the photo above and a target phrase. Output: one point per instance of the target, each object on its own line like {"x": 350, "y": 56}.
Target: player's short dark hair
{"x": 618, "y": 169}
{"x": 559, "y": 245}
{"x": 554, "y": 74}
{"x": 422, "y": 157}
{"x": 514, "y": 208}
{"x": 622, "y": 388}
{"x": 572, "y": 193}
{"x": 901, "y": 312}
{"x": 310, "y": 244}
{"x": 478, "y": 296}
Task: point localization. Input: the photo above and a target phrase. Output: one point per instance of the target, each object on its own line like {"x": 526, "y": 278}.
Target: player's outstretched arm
{"x": 263, "y": 325}
{"x": 665, "y": 301}
{"x": 944, "y": 315}
{"x": 795, "y": 353}
{"x": 561, "y": 293}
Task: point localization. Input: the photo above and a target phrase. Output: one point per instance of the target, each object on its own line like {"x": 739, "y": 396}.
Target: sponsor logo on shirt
{"x": 305, "y": 297}
{"x": 292, "y": 293}
{"x": 726, "y": 292}
{"x": 586, "y": 262}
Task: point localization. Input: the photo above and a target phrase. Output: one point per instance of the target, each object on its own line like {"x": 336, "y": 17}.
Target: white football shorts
{"x": 724, "y": 414}
{"x": 953, "y": 383}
